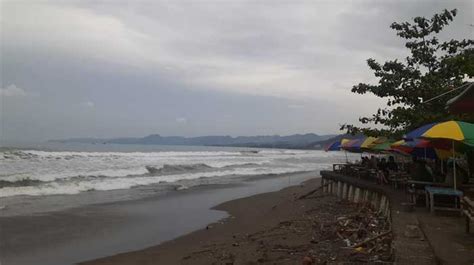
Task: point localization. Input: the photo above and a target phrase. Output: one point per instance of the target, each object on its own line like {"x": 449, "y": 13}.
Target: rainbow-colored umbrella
{"x": 365, "y": 144}
{"x": 456, "y": 131}
{"x": 416, "y": 147}
{"x": 353, "y": 145}
{"x": 452, "y": 130}
{"x": 417, "y": 133}
{"x": 382, "y": 147}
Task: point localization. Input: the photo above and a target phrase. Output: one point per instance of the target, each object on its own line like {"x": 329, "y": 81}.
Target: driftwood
{"x": 304, "y": 196}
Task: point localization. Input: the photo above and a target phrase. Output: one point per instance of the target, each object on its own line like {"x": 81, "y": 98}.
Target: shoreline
{"x": 240, "y": 220}
{"x": 93, "y": 231}
{"x": 277, "y": 227}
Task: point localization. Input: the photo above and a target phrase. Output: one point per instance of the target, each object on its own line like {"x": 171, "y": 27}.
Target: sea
{"x": 134, "y": 171}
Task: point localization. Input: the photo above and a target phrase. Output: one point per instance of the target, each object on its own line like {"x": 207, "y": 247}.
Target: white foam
{"x": 123, "y": 170}
{"x": 74, "y": 187}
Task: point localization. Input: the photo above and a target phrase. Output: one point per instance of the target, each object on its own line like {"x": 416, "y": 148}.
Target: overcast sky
{"x": 190, "y": 68}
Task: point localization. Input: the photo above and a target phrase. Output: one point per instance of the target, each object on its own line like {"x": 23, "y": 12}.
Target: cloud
{"x": 150, "y": 58}
{"x": 13, "y": 91}
{"x": 285, "y": 50}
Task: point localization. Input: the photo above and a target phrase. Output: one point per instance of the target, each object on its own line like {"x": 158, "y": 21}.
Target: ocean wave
{"x": 169, "y": 169}
{"x": 91, "y": 183}
{"x": 20, "y": 183}
{"x": 175, "y": 169}
{"x": 30, "y": 172}
{"x": 26, "y": 154}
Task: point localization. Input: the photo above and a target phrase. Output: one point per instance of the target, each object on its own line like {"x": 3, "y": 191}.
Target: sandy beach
{"x": 269, "y": 228}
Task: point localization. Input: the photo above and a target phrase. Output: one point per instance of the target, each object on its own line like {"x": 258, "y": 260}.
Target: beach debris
{"x": 365, "y": 235}
{"x": 325, "y": 231}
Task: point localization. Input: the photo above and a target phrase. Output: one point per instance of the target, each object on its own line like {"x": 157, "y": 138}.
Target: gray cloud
{"x": 238, "y": 67}
{"x": 13, "y": 91}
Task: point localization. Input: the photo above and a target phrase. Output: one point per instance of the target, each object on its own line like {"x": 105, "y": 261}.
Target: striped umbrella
{"x": 452, "y": 130}
{"x": 361, "y": 144}
{"x": 382, "y": 147}
{"x": 456, "y": 131}
{"x": 416, "y": 147}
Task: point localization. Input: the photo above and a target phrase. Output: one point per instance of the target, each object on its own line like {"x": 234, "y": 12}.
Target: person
{"x": 382, "y": 171}
{"x": 382, "y": 164}
{"x": 373, "y": 162}
{"x": 365, "y": 161}
{"x": 391, "y": 165}
{"x": 419, "y": 171}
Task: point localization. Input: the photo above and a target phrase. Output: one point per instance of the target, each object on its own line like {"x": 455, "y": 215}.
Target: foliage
{"x": 433, "y": 68}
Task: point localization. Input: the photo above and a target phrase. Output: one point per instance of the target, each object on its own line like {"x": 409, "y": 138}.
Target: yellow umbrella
{"x": 452, "y": 130}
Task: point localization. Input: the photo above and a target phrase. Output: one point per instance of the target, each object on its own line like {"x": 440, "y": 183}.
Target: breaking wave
{"x": 35, "y": 173}
{"x": 175, "y": 169}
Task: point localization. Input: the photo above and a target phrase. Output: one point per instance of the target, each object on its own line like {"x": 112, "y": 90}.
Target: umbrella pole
{"x": 425, "y": 153}
{"x": 454, "y": 166}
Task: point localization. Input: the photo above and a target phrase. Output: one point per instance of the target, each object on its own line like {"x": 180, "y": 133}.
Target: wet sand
{"x": 94, "y": 231}
{"x": 249, "y": 215}
{"x": 270, "y": 228}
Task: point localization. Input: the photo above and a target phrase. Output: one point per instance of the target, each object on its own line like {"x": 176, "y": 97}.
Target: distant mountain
{"x": 272, "y": 141}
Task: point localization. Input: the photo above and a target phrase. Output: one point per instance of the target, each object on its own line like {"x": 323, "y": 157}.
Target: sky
{"x": 190, "y": 68}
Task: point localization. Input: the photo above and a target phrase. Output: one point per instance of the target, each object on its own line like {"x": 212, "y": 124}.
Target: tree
{"x": 433, "y": 68}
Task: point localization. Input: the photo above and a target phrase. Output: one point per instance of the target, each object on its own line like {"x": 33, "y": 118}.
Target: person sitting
{"x": 391, "y": 165}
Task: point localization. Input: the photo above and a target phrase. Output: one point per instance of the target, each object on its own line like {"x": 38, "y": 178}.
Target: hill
{"x": 296, "y": 141}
